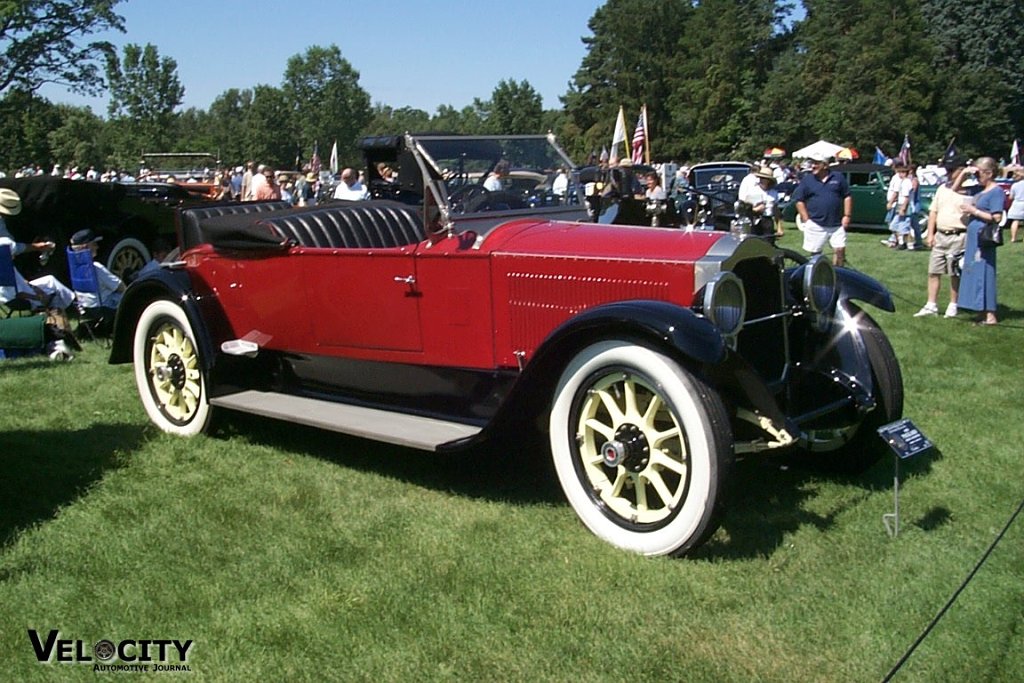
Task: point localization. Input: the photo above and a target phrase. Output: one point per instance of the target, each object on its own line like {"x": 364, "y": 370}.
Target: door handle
{"x": 407, "y": 280}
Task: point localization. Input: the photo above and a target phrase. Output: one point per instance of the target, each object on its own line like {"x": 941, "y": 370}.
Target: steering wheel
{"x": 465, "y": 196}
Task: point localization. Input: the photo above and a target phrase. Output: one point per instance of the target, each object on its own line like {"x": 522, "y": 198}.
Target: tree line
{"x": 720, "y": 79}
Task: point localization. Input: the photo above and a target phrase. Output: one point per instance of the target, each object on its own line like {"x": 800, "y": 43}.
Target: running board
{"x": 413, "y": 431}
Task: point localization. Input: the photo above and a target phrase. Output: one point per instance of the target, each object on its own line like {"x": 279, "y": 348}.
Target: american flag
{"x": 639, "y": 136}
{"x": 314, "y": 164}
{"x": 904, "y": 156}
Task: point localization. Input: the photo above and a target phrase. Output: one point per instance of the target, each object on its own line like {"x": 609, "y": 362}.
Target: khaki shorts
{"x": 945, "y": 248}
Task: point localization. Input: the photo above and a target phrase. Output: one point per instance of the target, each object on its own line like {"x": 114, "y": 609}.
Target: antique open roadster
{"x": 651, "y": 357}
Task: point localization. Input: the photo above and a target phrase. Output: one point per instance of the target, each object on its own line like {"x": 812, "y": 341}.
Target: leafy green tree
{"x": 388, "y": 121}
{"x": 514, "y": 109}
{"x": 325, "y": 98}
{"x": 42, "y": 43}
{"x": 979, "y": 46}
{"x": 227, "y": 115}
{"x": 26, "y": 119}
{"x": 448, "y": 119}
{"x": 722, "y": 57}
{"x": 629, "y": 63}
{"x": 144, "y": 92}
{"x": 194, "y": 132}
{"x": 80, "y": 139}
{"x": 866, "y": 97}
{"x": 267, "y": 137}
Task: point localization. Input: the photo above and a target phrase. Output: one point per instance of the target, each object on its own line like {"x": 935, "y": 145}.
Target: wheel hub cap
{"x": 173, "y": 372}
{"x": 629, "y": 448}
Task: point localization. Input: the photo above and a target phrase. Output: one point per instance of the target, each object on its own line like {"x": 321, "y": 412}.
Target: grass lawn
{"x": 286, "y": 553}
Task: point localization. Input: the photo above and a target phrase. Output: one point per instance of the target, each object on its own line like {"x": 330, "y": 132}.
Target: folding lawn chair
{"x": 8, "y": 280}
{"x": 84, "y": 279}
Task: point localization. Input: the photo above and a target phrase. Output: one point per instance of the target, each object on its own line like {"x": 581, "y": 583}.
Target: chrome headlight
{"x": 725, "y": 303}
{"x": 819, "y": 290}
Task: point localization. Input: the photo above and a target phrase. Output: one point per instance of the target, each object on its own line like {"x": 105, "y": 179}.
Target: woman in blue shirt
{"x": 978, "y": 281}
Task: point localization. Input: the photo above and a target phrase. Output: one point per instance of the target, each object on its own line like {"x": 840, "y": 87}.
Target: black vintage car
{"x": 128, "y": 216}
{"x": 708, "y": 201}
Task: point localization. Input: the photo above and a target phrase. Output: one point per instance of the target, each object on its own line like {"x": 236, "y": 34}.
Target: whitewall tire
{"x": 168, "y": 371}
{"x": 642, "y": 448}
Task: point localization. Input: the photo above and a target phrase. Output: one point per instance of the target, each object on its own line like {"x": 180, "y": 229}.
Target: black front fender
{"x": 856, "y": 286}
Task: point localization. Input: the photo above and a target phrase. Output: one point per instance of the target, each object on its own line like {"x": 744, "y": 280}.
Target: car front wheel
{"x": 168, "y": 371}
{"x": 642, "y": 448}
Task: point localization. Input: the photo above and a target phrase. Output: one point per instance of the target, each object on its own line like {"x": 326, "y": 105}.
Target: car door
{"x": 363, "y": 298}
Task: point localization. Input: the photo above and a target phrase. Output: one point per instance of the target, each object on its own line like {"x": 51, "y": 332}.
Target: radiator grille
{"x": 763, "y": 343}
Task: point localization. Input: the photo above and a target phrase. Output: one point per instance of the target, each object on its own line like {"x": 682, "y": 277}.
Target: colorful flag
{"x": 880, "y": 157}
{"x": 951, "y": 152}
{"x": 618, "y": 137}
{"x": 640, "y": 136}
{"x": 1015, "y": 153}
{"x": 904, "y": 156}
{"x": 334, "y": 158}
{"x": 314, "y": 164}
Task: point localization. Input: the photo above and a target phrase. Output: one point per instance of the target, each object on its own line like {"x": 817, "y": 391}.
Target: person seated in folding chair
{"x": 42, "y": 292}
{"x": 97, "y": 290}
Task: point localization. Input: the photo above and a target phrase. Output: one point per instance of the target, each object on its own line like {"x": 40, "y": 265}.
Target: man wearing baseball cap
{"x": 111, "y": 286}
{"x": 824, "y": 204}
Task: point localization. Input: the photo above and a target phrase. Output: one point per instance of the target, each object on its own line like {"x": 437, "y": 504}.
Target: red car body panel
{"x": 445, "y": 303}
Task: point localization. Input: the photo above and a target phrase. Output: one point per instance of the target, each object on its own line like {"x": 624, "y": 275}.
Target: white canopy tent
{"x": 820, "y": 147}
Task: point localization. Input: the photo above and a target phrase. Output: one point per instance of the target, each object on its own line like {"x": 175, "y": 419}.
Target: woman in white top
{"x": 1016, "y": 211}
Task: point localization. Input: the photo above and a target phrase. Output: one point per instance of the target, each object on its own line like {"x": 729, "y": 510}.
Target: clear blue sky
{"x": 416, "y": 53}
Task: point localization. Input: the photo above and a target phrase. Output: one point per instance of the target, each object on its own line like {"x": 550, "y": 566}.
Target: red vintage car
{"x": 442, "y": 318}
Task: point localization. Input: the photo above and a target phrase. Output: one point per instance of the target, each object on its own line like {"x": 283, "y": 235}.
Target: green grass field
{"x": 286, "y": 553}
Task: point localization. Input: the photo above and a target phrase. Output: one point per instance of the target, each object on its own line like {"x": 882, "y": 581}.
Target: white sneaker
{"x": 912, "y": 247}
{"x": 61, "y": 351}
{"x": 951, "y": 311}
{"x": 927, "y": 309}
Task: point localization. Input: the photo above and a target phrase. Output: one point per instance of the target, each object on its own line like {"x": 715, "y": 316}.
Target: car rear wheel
{"x": 127, "y": 257}
{"x": 642, "y": 448}
{"x": 168, "y": 371}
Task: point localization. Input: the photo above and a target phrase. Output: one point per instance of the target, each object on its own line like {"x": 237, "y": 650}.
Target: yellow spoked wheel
{"x": 168, "y": 370}
{"x": 632, "y": 450}
{"x": 174, "y": 372}
{"x": 642, "y": 448}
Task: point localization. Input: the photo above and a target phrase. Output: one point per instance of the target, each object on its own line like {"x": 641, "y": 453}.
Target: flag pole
{"x": 647, "y": 137}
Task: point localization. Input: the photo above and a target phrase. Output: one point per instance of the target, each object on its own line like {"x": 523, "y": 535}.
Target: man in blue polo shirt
{"x": 824, "y": 204}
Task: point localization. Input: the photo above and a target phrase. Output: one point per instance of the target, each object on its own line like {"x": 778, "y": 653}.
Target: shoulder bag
{"x": 990, "y": 235}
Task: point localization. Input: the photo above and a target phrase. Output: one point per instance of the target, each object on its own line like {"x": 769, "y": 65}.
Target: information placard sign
{"x": 904, "y": 438}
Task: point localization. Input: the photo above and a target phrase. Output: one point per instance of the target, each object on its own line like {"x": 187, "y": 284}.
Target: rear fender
{"x": 163, "y": 283}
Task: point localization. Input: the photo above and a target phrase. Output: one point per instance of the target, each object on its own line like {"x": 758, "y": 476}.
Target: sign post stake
{"x": 905, "y": 440}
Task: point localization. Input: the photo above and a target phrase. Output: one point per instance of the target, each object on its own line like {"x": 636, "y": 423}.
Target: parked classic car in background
{"x": 128, "y": 216}
{"x": 708, "y": 200}
{"x": 447, "y": 317}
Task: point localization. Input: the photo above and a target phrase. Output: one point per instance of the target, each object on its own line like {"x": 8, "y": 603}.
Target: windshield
{"x": 474, "y": 157}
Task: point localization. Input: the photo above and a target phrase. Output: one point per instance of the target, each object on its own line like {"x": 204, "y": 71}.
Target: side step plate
{"x": 380, "y": 425}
